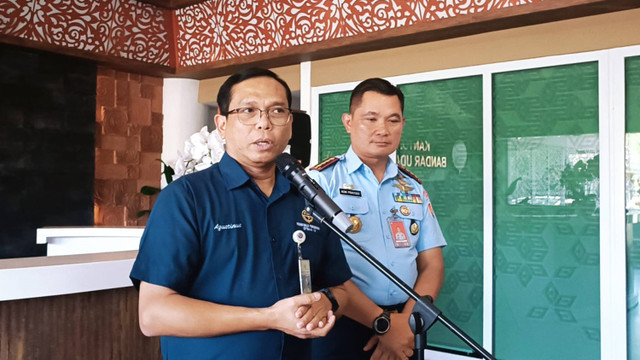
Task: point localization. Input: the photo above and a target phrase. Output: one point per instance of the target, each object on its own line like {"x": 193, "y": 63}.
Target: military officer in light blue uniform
{"x": 393, "y": 221}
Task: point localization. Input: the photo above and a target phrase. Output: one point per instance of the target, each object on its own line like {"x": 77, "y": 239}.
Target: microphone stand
{"x": 424, "y": 313}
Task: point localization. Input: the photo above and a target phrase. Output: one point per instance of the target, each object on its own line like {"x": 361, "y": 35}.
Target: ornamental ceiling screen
{"x": 217, "y": 29}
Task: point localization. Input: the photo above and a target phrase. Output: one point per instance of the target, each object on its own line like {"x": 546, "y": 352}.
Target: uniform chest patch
{"x": 350, "y": 192}
{"x": 407, "y": 198}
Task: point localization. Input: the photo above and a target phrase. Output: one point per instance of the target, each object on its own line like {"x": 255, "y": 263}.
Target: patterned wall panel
{"x": 122, "y": 28}
{"x": 222, "y": 29}
{"x": 546, "y": 213}
{"x": 217, "y": 29}
{"x": 442, "y": 144}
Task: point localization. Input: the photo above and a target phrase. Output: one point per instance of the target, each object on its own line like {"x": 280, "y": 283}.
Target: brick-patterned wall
{"x": 128, "y": 142}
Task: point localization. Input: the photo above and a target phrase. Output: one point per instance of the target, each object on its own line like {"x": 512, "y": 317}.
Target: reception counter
{"x": 80, "y": 259}
{"x": 78, "y": 306}
{"x": 25, "y": 278}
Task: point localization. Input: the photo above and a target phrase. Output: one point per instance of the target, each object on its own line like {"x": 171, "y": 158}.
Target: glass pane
{"x": 334, "y": 139}
{"x": 632, "y": 110}
{"x": 546, "y": 201}
{"x": 442, "y": 145}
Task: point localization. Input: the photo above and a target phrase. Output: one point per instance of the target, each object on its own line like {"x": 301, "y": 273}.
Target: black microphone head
{"x": 285, "y": 161}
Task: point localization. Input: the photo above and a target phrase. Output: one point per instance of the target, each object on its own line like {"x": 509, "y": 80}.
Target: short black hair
{"x": 381, "y": 86}
{"x": 224, "y": 94}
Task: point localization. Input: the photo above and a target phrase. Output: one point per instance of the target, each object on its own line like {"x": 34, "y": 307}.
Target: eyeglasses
{"x": 278, "y": 116}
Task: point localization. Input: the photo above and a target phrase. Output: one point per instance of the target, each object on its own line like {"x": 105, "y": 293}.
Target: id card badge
{"x": 304, "y": 266}
{"x": 398, "y": 232}
{"x": 304, "y": 272}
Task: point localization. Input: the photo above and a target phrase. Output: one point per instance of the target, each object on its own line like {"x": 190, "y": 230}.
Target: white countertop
{"x": 24, "y": 278}
{"x": 79, "y": 259}
{"x": 88, "y": 239}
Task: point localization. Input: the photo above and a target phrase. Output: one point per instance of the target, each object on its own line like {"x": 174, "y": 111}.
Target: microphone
{"x": 310, "y": 190}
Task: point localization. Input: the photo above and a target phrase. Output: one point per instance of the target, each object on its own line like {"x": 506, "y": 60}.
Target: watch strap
{"x": 332, "y": 299}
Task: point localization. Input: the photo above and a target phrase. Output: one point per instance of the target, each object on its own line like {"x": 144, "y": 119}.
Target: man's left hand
{"x": 314, "y": 315}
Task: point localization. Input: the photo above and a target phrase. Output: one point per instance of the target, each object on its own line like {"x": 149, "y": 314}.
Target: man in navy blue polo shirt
{"x": 217, "y": 267}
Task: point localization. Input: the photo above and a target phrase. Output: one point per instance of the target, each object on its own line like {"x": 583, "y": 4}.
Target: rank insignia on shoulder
{"x": 325, "y": 163}
{"x": 409, "y": 174}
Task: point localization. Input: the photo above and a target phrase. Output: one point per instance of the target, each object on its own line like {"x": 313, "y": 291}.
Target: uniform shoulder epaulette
{"x": 409, "y": 174}
{"x": 325, "y": 163}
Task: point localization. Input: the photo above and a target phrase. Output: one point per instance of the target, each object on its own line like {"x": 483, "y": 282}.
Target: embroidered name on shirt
{"x": 227, "y": 227}
{"x": 350, "y": 192}
{"x": 308, "y": 227}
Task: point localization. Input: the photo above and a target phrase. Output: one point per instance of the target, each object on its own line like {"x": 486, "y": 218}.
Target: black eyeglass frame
{"x": 257, "y": 118}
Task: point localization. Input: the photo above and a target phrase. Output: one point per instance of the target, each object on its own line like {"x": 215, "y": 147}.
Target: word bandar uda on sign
{"x": 423, "y": 158}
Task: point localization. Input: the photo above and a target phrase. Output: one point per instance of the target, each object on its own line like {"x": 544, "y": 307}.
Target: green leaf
{"x": 168, "y": 174}
{"x": 167, "y": 171}
{"x": 142, "y": 213}
{"x": 149, "y": 190}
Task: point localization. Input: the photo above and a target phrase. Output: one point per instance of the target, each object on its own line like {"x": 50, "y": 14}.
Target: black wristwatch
{"x": 334, "y": 302}
{"x": 382, "y": 323}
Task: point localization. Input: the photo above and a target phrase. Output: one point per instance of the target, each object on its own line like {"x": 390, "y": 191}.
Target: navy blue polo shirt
{"x": 213, "y": 235}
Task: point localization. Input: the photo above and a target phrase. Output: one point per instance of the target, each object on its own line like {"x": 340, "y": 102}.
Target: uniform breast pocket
{"x": 357, "y": 208}
{"x": 352, "y": 205}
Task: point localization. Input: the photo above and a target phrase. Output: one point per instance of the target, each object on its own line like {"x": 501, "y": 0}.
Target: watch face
{"x": 382, "y": 324}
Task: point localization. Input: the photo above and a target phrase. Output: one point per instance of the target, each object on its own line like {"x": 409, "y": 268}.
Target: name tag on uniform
{"x": 350, "y": 192}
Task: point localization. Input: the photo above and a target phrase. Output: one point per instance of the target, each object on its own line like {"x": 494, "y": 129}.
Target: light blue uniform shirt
{"x": 355, "y": 189}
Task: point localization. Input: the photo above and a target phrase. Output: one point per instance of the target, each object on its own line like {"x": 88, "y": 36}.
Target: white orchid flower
{"x": 179, "y": 167}
{"x": 186, "y": 155}
{"x": 216, "y": 144}
{"x": 199, "y": 145}
{"x": 201, "y": 150}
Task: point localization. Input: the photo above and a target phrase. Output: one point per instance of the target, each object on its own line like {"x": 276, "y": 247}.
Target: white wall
{"x": 183, "y": 116}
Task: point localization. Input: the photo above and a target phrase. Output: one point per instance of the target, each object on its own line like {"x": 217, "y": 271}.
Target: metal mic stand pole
{"x": 424, "y": 312}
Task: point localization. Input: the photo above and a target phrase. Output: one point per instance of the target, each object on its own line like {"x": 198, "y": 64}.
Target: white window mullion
{"x": 612, "y": 208}
{"x": 487, "y": 206}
